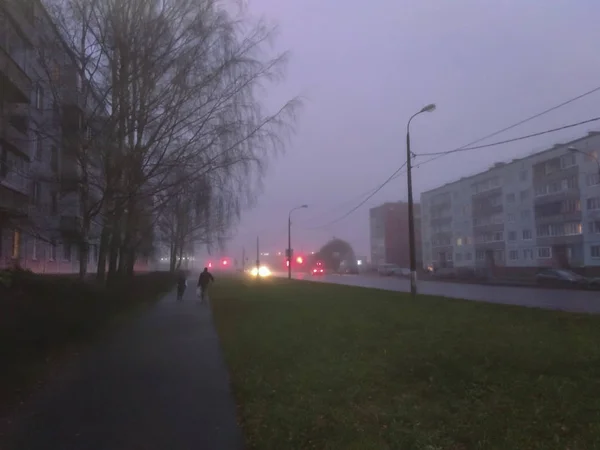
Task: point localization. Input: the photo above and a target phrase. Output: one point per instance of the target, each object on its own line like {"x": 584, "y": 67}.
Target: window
{"x": 567, "y": 161}
{"x": 510, "y": 198}
{"x": 16, "y": 244}
{"x": 35, "y": 193}
{"x": 459, "y": 242}
{"x": 468, "y": 256}
{"x": 544, "y": 252}
{"x": 458, "y": 257}
{"x": 34, "y": 249}
{"x": 595, "y": 227}
{"x": 53, "y": 250}
{"x": 498, "y": 236}
{"x": 527, "y": 235}
{"x": 527, "y": 254}
{"x": 512, "y": 235}
{"x": 525, "y": 214}
{"x": 510, "y": 218}
{"x": 592, "y": 179}
{"x": 513, "y": 255}
{"x": 571, "y": 206}
{"x": 39, "y": 97}
{"x": 524, "y": 195}
{"x": 67, "y": 251}
{"x": 593, "y": 203}
{"x": 595, "y": 251}
{"x": 572, "y": 229}
{"x": 480, "y": 255}
{"x": 38, "y": 147}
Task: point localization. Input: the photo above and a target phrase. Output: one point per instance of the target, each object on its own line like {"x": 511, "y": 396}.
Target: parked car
{"x": 561, "y": 278}
{"x": 388, "y": 270}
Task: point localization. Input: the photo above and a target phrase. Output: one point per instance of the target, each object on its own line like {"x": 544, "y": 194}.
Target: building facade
{"x": 538, "y": 211}
{"x": 41, "y": 109}
{"x": 389, "y": 234}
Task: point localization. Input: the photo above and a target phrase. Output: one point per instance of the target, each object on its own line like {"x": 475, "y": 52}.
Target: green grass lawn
{"x": 337, "y": 367}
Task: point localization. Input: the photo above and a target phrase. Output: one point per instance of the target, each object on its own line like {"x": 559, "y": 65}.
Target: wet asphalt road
{"x": 157, "y": 382}
{"x": 558, "y": 299}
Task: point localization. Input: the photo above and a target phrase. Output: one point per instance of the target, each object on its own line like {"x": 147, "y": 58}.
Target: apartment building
{"x": 389, "y": 234}
{"x": 40, "y": 109}
{"x": 541, "y": 210}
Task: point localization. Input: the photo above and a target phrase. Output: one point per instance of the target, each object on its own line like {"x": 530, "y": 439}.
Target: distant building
{"x": 389, "y": 234}
{"x": 538, "y": 211}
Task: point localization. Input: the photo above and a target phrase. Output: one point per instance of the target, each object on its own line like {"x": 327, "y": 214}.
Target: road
{"x": 558, "y": 299}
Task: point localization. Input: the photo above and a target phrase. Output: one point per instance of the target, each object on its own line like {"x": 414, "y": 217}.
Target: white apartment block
{"x": 537, "y": 211}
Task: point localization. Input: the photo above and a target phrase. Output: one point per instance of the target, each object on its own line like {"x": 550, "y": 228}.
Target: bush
{"x": 41, "y": 315}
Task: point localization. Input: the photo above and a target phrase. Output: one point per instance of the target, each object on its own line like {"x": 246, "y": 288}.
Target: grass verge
{"x": 327, "y": 366}
{"x": 43, "y": 316}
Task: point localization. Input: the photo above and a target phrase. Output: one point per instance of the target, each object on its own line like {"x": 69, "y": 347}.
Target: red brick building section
{"x": 389, "y": 234}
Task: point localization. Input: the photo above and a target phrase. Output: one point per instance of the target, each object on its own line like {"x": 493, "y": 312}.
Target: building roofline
{"x": 513, "y": 161}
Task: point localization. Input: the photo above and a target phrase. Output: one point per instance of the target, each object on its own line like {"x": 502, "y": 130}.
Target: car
{"x": 318, "y": 269}
{"x": 560, "y": 278}
{"x": 388, "y": 270}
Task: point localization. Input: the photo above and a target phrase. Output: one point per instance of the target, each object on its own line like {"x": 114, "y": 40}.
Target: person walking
{"x": 204, "y": 280}
{"x": 181, "y": 285}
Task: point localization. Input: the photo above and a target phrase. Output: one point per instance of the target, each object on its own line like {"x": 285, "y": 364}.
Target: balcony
{"x": 16, "y": 84}
{"x": 22, "y": 13}
{"x": 14, "y": 138}
{"x": 72, "y": 94}
{"x": 13, "y": 203}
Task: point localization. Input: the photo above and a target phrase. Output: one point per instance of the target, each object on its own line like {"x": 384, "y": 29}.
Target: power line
{"x": 361, "y": 203}
{"x": 470, "y": 146}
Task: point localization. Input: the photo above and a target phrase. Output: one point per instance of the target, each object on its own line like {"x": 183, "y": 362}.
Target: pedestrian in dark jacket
{"x": 181, "y": 285}
{"x": 203, "y": 281}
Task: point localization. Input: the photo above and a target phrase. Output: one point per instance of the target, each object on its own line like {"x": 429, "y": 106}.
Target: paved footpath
{"x": 156, "y": 382}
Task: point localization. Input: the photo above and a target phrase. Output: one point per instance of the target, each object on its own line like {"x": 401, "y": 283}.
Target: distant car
{"x": 388, "y": 270}
{"x": 318, "y": 269}
{"x": 560, "y": 278}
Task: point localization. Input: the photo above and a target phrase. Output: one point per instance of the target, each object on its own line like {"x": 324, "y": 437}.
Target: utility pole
{"x": 411, "y": 220}
{"x": 290, "y": 246}
{"x": 243, "y": 259}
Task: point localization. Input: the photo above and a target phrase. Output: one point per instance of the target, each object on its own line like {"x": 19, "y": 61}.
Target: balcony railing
{"x": 18, "y": 81}
{"x": 13, "y": 137}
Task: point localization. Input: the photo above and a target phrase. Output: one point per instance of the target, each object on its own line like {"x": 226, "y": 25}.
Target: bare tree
{"x": 180, "y": 82}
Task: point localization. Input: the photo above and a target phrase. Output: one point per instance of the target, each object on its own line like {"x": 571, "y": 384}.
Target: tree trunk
{"x": 102, "y": 253}
{"x": 84, "y": 252}
{"x": 115, "y": 245}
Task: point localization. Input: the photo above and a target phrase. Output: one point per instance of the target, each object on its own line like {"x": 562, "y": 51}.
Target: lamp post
{"x": 411, "y": 221}
{"x": 289, "y": 255}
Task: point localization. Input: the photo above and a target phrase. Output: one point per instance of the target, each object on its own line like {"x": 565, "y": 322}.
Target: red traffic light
{"x": 299, "y": 260}
{"x": 224, "y": 262}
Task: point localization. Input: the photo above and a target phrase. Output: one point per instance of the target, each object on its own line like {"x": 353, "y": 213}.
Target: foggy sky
{"x": 366, "y": 67}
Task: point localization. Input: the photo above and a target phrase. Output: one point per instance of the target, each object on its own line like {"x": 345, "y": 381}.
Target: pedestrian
{"x": 181, "y": 285}
{"x": 203, "y": 281}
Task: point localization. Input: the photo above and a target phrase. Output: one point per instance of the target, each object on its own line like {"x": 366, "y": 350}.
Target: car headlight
{"x": 262, "y": 271}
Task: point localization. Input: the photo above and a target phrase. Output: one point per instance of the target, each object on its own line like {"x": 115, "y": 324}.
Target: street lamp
{"x": 591, "y": 155}
{"x": 289, "y": 255}
{"x": 411, "y": 220}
